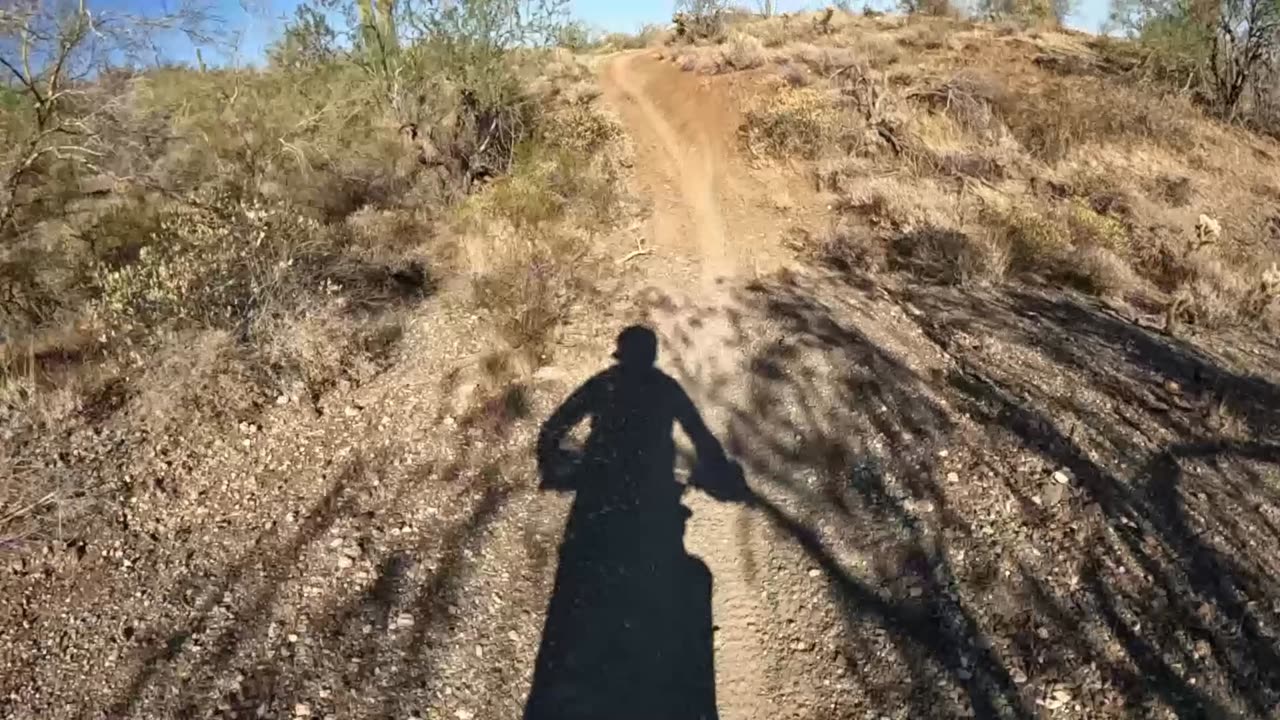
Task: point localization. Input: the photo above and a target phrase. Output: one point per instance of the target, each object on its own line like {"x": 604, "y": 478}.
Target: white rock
{"x": 302, "y": 710}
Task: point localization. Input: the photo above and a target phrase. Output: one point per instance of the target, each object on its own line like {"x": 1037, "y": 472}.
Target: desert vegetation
{"x": 183, "y": 246}
{"x": 958, "y": 150}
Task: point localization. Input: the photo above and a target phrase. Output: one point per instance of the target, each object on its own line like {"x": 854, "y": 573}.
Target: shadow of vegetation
{"x": 1175, "y": 462}
{"x": 372, "y": 649}
{"x": 1147, "y": 585}
{"x": 841, "y": 439}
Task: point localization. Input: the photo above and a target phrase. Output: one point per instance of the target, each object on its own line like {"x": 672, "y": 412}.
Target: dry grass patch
{"x": 951, "y": 256}
{"x": 794, "y": 122}
{"x": 1102, "y": 272}
{"x": 744, "y": 52}
{"x": 1055, "y": 119}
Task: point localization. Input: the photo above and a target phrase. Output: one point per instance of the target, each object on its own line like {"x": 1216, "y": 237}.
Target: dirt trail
{"x": 715, "y": 221}
{"x": 708, "y": 211}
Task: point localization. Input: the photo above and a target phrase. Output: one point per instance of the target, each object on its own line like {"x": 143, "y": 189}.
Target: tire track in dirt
{"x": 683, "y": 131}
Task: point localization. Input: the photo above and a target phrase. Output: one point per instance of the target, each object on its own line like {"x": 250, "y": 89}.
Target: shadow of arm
{"x": 714, "y": 473}
{"x": 556, "y": 464}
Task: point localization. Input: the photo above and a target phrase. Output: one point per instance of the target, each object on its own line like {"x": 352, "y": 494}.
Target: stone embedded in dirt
{"x": 814, "y": 572}
{"x": 1052, "y": 494}
{"x": 953, "y": 477}
{"x": 345, "y": 562}
{"x": 404, "y": 620}
{"x": 1062, "y": 476}
{"x": 1018, "y": 676}
{"x": 464, "y": 714}
{"x": 302, "y": 710}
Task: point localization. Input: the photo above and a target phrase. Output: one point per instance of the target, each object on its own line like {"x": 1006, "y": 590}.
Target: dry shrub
{"x": 933, "y": 8}
{"x": 1036, "y": 242}
{"x": 1217, "y": 293}
{"x": 226, "y": 264}
{"x": 527, "y": 281}
{"x": 793, "y": 122}
{"x": 848, "y": 247}
{"x": 648, "y": 36}
{"x": 1100, "y": 271}
{"x": 795, "y": 76}
{"x": 704, "y": 21}
{"x": 973, "y": 100}
{"x": 397, "y": 228}
{"x": 824, "y": 59}
{"x": 877, "y": 51}
{"x": 1177, "y": 191}
{"x": 778, "y": 30}
{"x": 925, "y": 36}
{"x": 579, "y": 127}
{"x": 200, "y": 375}
{"x": 950, "y": 256}
{"x": 975, "y": 165}
{"x": 523, "y": 240}
{"x": 1060, "y": 116}
{"x": 744, "y": 52}
{"x": 1091, "y": 228}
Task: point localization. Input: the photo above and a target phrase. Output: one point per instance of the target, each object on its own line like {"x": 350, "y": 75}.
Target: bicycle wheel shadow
{"x": 629, "y": 631}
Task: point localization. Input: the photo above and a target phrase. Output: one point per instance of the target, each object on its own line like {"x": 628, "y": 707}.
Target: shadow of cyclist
{"x": 628, "y": 631}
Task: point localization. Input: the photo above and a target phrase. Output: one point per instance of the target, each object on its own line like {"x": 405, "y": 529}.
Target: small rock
{"x": 404, "y": 620}
{"x": 345, "y": 562}
{"x": 1052, "y": 494}
{"x": 282, "y": 400}
{"x": 464, "y": 714}
{"x": 1018, "y": 676}
{"x": 302, "y": 710}
{"x": 814, "y": 572}
{"x": 292, "y": 638}
{"x": 916, "y": 591}
{"x": 953, "y": 477}
{"x": 350, "y": 411}
{"x": 1062, "y": 477}
{"x": 801, "y": 646}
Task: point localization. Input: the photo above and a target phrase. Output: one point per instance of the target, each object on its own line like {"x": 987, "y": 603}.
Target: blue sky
{"x": 257, "y": 22}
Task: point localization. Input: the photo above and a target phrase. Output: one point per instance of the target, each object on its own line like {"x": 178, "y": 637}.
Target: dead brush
{"x": 801, "y": 122}
{"x": 971, "y": 100}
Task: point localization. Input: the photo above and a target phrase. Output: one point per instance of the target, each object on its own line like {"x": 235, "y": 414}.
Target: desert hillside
{"x": 348, "y": 386}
